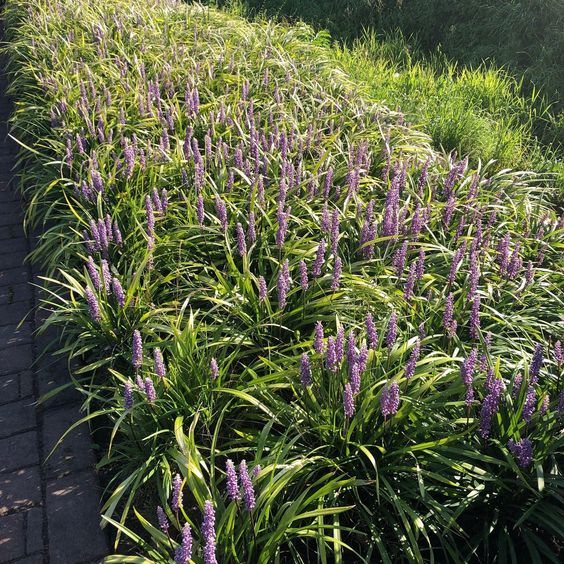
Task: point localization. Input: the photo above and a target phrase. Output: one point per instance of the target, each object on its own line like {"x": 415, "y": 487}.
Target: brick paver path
{"x": 49, "y": 511}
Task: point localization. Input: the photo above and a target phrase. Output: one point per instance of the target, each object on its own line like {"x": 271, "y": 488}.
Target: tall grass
{"x": 214, "y": 192}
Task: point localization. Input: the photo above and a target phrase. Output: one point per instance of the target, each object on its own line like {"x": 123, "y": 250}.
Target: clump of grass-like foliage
{"x": 307, "y": 335}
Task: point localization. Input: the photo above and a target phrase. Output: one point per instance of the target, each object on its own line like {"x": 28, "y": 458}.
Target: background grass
{"x": 467, "y": 104}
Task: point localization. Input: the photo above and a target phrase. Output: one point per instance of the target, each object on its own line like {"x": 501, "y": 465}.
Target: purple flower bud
{"x": 137, "y": 350}
{"x": 232, "y": 486}
{"x": 241, "y": 243}
{"x": 467, "y": 374}
{"x": 176, "y": 502}
{"x": 247, "y": 485}
{"x": 337, "y": 271}
{"x": 128, "y": 395}
{"x": 183, "y": 553}
{"x": 208, "y": 533}
{"x": 420, "y": 268}
{"x": 340, "y": 344}
{"x": 389, "y": 400}
{"x": 517, "y": 381}
{"x": 214, "y": 369}
{"x": 263, "y": 290}
{"x": 318, "y": 338}
{"x": 160, "y": 368}
{"x": 335, "y": 231}
{"x": 544, "y": 404}
{"x": 305, "y": 371}
{"x": 93, "y": 306}
{"x": 392, "y": 330}
{"x": 530, "y": 403}
{"x": 150, "y": 390}
{"x": 412, "y": 361}
{"x": 348, "y": 401}
{"x": 319, "y": 259}
{"x": 522, "y": 450}
{"x": 93, "y": 273}
{"x": 163, "y": 521}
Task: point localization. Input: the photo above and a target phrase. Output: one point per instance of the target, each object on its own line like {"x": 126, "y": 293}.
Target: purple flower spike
{"x": 221, "y": 211}
{"x": 93, "y": 306}
{"x": 128, "y": 395}
{"x": 318, "y": 338}
{"x": 247, "y": 485}
{"x": 150, "y": 216}
{"x": 490, "y": 407}
{"x": 263, "y": 290}
{"x": 389, "y": 400}
{"x": 232, "y": 483}
{"x": 107, "y": 277}
{"x": 137, "y": 348}
{"x": 412, "y": 361}
{"x": 283, "y": 284}
{"x": 530, "y": 403}
{"x": 475, "y": 318}
{"x": 448, "y": 316}
{"x": 558, "y": 353}
{"x": 348, "y": 401}
{"x": 251, "y": 231}
{"x": 118, "y": 292}
{"x": 304, "y": 282}
{"x": 176, "y": 502}
{"x": 467, "y": 374}
{"x": 305, "y": 371}
{"x": 319, "y": 259}
{"x": 392, "y": 331}
{"x": 354, "y": 372}
{"x": 398, "y": 262}
{"x": 200, "y": 209}
{"x": 150, "y": 390}
{"x": 522, "y": 450}
{"x": 241, "y": 243}
{"x": 163, "y": 521}
{"x": 337, "y": 271}
{"x": 331, "y": 355}
{"x": 371, "y": 333}
{"x": 214, "y": 369}
{"x": 93, "y": 273}
{"x": 160, "y": 368}
{"x": 183, "y": 553}
{"x": 536, "y": 363}
{"x": 208, "y": 533}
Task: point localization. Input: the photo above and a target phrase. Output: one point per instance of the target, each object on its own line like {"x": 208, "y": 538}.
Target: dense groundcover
{"x": 304, "y": 335}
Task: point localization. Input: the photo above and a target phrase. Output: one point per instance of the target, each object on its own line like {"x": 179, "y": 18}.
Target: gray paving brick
{"x": 12, "y": 537}
{"x": 34, "y": 530}
{"x": 75, "y": 452}
{"x": 13, "y": 314}
{"x": 13, "y": 259}
{"x": 9, "y": 388}
{"x": 15, "y": 293}
{"x": 14, "y": 276}
{"x": 15, "y": 359}
{"x": 18, "y": 451}
{"x": 19, "y": 489}
{"x": 15, "y": 334}
{"x": 78, "y": 495}
{"x": 16, "y": 417}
